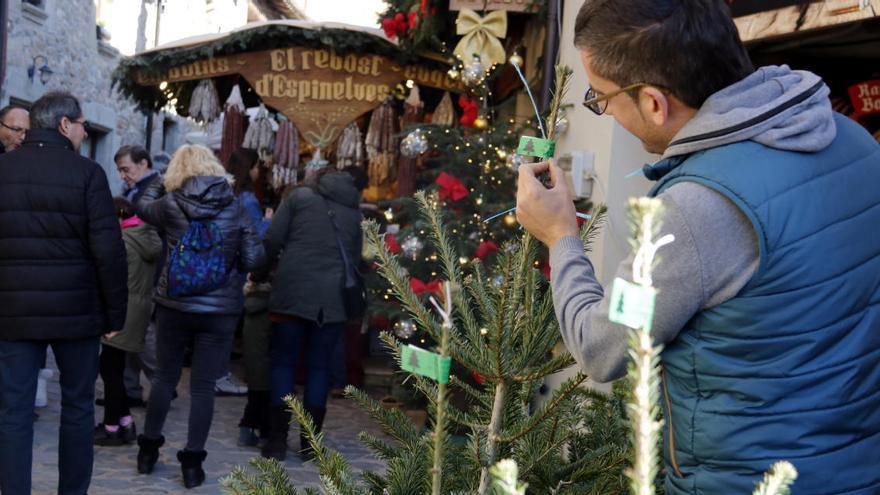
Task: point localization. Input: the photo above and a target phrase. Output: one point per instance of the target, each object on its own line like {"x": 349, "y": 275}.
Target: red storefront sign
{"x": 865, "y": 97}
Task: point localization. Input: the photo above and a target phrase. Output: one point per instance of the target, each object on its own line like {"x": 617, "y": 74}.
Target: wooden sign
{"x": 865, "y": 98}
{"x": 508, "y": 5}
{"x": 319, "y": 90}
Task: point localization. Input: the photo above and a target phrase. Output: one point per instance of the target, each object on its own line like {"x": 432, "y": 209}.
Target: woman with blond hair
{"x": 211, "y": 244}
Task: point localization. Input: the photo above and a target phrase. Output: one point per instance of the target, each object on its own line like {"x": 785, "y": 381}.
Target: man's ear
{"x": 64, "y": 127}
{"x": 144, "y": 164}
{"x": 654, "y": 105}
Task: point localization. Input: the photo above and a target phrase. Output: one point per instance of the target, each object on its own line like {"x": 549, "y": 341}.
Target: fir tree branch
{"x": 590, "y": 230}
{"x": 563, "y": 78}
{"x": 559, "y": 397}
{"x": 449, "y": 261}
{"x": 392, "y": 421}
{"x": 391, "y": 269}
{"x": 471, "y": 392}
{"x": 380, "y": 448}
{"x": 554, "y": 365}
{"x": 334, "y": 469}
{"x": 494, "y": 432}
{"x": 778, "y": 480}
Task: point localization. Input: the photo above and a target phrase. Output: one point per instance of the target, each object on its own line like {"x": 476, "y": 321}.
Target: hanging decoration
{"x": 381, "y": 144}
{"x": 404, "y": 329}
{"x": 480, "y": 36}
{"x": 233, "y": 125}
{"x": 350, "y": 149}
{"x": 485, "y": 249}
{"x": 412, "y": 145}
{"x": 451, "y": 188}
{"x": 419, "y": 287}
{"x": 204, "y": 105}
{"x": 412, "y": 246}
{"x": 514, "y": 161}
{"x": 444, "y": 114}
{"x": 260, "y": 134}
{"x": 474, "y": 72}
{"x": 391, "y": 243}
{"x": 286, "y": 155}
{"x": 470, "y": 110}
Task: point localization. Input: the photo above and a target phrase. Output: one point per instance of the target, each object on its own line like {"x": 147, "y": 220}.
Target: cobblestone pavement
{"x": 115, "y": 467}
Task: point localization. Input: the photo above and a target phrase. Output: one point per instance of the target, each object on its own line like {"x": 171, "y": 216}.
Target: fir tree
{"x": 504, "y": 328}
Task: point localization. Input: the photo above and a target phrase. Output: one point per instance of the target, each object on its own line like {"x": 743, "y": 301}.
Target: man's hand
{"x": 109, "y": 336}
{"x": 548, "y": 214}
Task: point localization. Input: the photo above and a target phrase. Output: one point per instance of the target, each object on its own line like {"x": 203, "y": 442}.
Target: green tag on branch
{"x": 632, "y": 304}
{"x": 533, "y": 146}
{"x": 425, "y": 363}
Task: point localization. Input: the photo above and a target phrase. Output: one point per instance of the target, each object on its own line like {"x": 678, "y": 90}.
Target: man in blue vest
{"x": 769, "y": 298}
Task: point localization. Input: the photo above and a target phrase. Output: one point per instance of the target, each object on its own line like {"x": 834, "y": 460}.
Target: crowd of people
{"x": 158, "y": 278}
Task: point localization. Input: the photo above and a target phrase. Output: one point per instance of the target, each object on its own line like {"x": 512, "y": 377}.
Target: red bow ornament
{"x": 485, "y": 249}
{"x": 451, "y": 188}
{"x": 418, "y": 287}
{"x": 470, "y": 110}
{"x": 391, "y": 244}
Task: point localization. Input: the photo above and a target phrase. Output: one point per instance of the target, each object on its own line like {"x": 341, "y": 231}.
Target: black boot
{"x": 148, "y": 453}
{"x": 191, "y": 467}
{"x": 306, "y": 453}
{"x": 279, "y": 424}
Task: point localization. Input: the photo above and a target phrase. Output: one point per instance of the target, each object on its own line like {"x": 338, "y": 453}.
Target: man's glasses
{"x": 85, "y": 123}
{"x": 598, "y": 102}
{"x": 17, "y": 130}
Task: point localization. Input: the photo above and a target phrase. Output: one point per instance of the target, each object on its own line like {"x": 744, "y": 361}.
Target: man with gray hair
{"x": 63, "y": 276}
{"x": 14, "y": 124}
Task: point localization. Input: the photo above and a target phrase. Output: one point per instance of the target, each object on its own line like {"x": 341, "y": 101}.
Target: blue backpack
{"x": 197, "y": 265}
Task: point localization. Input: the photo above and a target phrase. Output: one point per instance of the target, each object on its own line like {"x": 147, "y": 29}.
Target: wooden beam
{"x": 784, "y": 21}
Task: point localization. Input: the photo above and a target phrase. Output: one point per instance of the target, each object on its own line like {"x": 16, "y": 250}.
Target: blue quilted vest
{"x": 790, "y": 367}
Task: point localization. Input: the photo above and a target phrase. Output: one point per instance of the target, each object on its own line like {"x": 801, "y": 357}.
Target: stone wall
{"x": 62, "y": 34}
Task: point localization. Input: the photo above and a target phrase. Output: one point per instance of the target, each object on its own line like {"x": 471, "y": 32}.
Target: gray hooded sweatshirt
{"x": 715, "y": 252}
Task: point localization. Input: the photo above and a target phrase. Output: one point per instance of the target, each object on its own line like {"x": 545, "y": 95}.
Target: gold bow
{"x": 481, "y": 36}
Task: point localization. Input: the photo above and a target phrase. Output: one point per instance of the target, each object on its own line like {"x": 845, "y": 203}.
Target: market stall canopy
{"x": 322, "y": 76}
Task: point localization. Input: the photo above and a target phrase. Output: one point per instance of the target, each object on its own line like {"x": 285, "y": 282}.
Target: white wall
{"x": 617, "y": 153}
{"x": 359, "y": 12}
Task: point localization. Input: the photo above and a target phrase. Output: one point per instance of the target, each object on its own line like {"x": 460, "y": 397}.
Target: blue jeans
{"x": 289, "y": 340}
{"x": 19, "y": 363}
{"x": 211, "y": 339}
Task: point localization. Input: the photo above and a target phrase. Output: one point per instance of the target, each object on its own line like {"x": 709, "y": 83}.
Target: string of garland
{"x": 343, "y": 42}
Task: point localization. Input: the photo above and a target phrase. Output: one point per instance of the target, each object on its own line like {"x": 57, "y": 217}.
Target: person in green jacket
{"x": 142, "y": 247}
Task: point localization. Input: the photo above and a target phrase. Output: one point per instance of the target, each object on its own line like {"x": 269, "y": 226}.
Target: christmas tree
{"x": 504, "y": 328}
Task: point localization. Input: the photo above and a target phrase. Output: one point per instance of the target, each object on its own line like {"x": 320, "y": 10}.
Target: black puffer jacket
{"x": 63, "y": 271}
{"x": 309, "y": 278}
{"x": 202, "y": 198}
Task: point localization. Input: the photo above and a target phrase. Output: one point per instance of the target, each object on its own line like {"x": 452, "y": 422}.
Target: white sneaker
{"x": 229, "y": 386}
{"x": 42, "y": 400}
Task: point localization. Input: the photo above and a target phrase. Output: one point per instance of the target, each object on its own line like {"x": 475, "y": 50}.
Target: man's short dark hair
{"x": 135, "y": 152}
{"x": 689, "y": 47}
{"x": 47, "y": 112}
{"x": 9, "y": 108}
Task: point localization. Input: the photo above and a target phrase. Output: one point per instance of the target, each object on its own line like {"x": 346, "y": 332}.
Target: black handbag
{"x": 353, "y": 292}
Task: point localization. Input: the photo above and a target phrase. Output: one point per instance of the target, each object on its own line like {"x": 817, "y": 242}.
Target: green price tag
{"x": 425, "y": 363}
{"x": 532, "y": 146}
{"x": 632, "y": 304}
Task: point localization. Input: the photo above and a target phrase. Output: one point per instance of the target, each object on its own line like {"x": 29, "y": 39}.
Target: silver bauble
{"x": 411, "y": 246}
{"x": 514, "y": 161}
{"x": 561, "y": 125}
{"x": 414, "y": 144}
{"x": 473, "y": 72}
{"x": 404, "y": 329}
